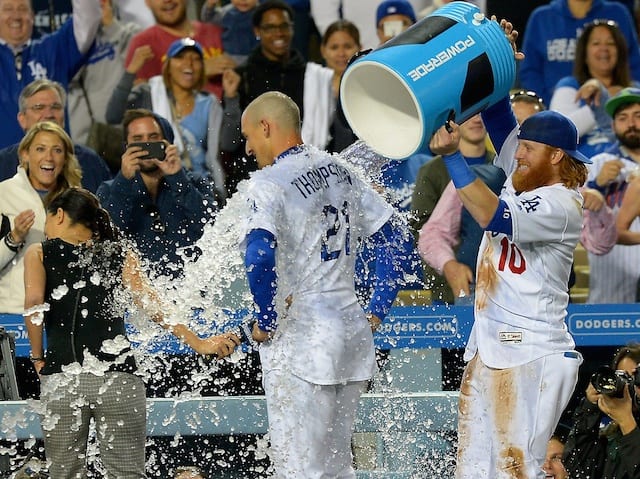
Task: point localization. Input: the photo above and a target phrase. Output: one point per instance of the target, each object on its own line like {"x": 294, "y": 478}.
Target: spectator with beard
{"x": 614, "y": 276}
{"x": 155, "y": 200}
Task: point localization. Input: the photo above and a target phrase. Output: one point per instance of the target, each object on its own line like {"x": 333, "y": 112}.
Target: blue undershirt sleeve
{"x": 260, "y": 264}
{"x": 393, "y": 246}
{"x": 499, "y": 121}
{"x": 501, "y": 221}
{"x": 459, "y": 170}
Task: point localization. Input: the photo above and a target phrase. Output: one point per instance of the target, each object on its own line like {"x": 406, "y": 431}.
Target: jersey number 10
{"x": 508, "y": 250}
{"x": 338, "y": 232}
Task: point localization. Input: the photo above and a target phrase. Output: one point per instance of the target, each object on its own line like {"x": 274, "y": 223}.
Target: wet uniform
{"x": 314, "y": 209}
{"x": 522, "y": 365}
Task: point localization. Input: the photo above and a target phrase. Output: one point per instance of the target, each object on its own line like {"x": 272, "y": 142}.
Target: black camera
{"x": 611, "y": 382}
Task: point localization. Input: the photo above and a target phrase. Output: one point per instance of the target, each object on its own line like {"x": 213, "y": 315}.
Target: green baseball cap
{"x": 625, "y": 96}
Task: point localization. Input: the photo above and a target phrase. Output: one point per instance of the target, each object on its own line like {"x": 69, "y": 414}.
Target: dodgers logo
{"x": 38, "y": 72}
{"x": 530, "y": 205}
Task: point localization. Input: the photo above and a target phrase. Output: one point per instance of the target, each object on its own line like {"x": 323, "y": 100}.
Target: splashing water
{"x": 95, "y": 278}
{"x": 60, "y": 291}
{"x": 210, "y": 294}
{"x": 38, "y": 313}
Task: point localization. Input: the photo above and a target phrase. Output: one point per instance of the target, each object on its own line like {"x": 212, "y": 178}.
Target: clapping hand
{"x": 22, "y": 224}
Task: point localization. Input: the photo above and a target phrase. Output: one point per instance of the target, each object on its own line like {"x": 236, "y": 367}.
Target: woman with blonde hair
{"x": 48, "y": 167}
{"x": 65, "y": 173}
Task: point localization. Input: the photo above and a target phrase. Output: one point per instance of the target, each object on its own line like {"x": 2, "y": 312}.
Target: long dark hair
{"x": 83, "y": 207}
{"x": 621, "y": 74}
{"x": 342, "y": 26}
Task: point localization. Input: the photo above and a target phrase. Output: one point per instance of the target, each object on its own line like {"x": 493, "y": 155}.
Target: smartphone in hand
{"x": 154, "y": 149}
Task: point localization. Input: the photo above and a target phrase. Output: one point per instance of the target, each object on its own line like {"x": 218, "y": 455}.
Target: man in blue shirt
{"x": 155, "y": 201}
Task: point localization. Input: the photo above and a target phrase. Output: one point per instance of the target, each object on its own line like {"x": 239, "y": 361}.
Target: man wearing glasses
{"x": 45, "y": 100}
{"x": 57, "y": 56}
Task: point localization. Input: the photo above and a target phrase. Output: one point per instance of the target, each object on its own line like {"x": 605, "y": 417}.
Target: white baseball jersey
{"x": 317, "y": 209}
{"x": 522, "y": 280}
{"x": 613, "y": 277}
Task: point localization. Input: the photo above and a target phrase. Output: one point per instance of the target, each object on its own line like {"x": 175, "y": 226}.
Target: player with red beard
{"x": 522, "y": 366}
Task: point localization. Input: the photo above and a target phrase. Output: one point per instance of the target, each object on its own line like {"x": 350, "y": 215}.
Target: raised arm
{"x": 476, "y": 196}
{"x": 584, "y": 105}
{"x": 87, "y": 16}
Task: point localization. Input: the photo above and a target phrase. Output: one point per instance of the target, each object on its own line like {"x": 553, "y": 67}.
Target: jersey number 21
{"x": 337, "y": 236}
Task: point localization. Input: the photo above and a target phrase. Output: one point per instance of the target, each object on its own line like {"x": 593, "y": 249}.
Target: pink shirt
{"x": 440, "y": 234}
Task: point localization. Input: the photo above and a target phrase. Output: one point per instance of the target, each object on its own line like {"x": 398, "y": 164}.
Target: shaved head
{"x": 275, "y": 106}
{"x": 270, "y": 125}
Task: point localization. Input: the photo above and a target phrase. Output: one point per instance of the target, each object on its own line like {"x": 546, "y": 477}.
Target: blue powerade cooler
{"x": 452, "y": 64}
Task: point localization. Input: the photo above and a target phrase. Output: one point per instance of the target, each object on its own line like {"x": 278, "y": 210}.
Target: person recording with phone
{"x": 163, "y": 208}
{"x": 153, "y": 199}
{"x": 604, "y": 441}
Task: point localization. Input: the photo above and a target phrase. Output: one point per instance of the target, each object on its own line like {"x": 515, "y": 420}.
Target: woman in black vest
{"x": 78, "y": 284}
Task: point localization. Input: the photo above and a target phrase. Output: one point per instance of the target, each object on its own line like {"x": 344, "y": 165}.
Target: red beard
{"x": 534, "y": 177}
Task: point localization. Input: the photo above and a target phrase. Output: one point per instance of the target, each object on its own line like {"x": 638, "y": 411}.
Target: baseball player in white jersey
{"x": 522, "y": 366}
{"x": 316, "y": 344}
{"x": 614, "y": 276}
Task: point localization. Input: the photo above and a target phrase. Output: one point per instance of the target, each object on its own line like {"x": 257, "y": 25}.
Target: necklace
{"x": 183, "y": 109}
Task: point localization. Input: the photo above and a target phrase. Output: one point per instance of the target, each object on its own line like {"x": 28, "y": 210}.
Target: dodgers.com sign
{"x": 439, "y": 327}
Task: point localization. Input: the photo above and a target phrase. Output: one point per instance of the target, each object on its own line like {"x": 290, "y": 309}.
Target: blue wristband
{"x": 459, "y": 170}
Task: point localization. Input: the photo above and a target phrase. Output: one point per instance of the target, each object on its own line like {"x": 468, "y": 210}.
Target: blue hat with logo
{"x": 182, "y": 44}
{"x": 553, "y": 129}
{"x": 395, "y": 7}
{"x": 624, "y": 97}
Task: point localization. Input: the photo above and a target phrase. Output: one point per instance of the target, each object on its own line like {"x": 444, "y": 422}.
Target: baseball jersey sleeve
{"x": 263, "y": 203}
{"x": 375, "y": 211}
{"x": 547, "y": 214}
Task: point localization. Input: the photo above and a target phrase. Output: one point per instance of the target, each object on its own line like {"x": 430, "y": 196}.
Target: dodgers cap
{"x": 182, "y": 44}
{"x": 553, "y": 129}
{"x": 395, "y": 7}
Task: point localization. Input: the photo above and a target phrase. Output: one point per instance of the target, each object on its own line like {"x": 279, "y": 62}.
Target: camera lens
{"x": 609, "y": 382}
